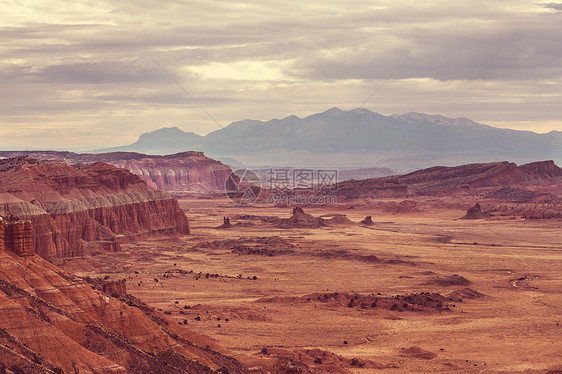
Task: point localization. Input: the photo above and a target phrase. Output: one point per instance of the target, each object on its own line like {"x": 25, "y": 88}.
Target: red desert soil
{"x": 471, "y": 296}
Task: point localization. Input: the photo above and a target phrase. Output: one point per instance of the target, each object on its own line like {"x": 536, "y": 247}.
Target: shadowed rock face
{"x": 51, "y": 321}
{"x": 368, "y": 221}
{"x": 96, "y": 203}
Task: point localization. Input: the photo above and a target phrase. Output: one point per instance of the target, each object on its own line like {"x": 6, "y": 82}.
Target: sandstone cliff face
{"x": 186, "y": 172}
{"x": 51, "y": 321}
{"x": 16, "y": 236}
{"x": 97, "y": 202}
{"x": 183, "y": 172}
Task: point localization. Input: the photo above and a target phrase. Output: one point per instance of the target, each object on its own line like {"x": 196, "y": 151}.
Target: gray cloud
{"x": 116, "y": 72}
{"x": 86, "y": 65}
{"x": 554, "y": 6}
{"x": 506, "y": 50}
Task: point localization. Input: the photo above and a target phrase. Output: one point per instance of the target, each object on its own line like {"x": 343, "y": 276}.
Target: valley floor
{"x": 253, "y": 286}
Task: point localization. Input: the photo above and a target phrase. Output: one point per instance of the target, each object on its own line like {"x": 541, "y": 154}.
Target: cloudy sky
{"x": 85, "y": 74}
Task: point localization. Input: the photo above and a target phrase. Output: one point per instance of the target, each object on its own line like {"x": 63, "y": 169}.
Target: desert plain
{"x": 417, "y": 291}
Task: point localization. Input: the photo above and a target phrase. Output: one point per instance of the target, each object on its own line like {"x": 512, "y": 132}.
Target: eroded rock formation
{"x": 16, "y": 235}
{"x": 338, "y": 219}
{"x": 475, "y": 212}
{"x": 225, "y": 223}
{"x": 368, "y": 221}
{"x": 300, "y": 219}
{"x": 86, "y": 203}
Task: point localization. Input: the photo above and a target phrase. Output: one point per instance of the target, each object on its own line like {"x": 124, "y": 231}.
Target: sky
{"x": 84, "y": 75}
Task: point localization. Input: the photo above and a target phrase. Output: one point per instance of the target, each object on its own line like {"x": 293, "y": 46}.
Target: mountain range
{"x": 356, "y": 138}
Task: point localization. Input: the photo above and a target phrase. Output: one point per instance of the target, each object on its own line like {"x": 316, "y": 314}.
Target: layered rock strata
{"x": 97, "y": 203}
{"x": 16, "y": 236}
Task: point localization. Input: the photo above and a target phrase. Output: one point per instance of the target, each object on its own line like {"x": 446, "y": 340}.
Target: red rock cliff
{"x": 97, "y": 202}
{"x": 182, "y": 172}
{"x": 190, "y": 172}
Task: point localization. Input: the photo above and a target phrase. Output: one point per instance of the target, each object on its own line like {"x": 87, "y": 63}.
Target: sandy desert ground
{"x": 279, "y": 298}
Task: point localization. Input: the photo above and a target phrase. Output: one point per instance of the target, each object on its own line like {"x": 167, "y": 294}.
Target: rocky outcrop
{"x": 300, "y": 220}
{"x": 338, "y": 219}
{"x": 98, "y": 203}
{"x": 186, "y": 172}
{"x": 225, "y": 223}
{"x": 368, "y": 221}
{"x": 53, "y": 322}
{"x": 475, "y": 213}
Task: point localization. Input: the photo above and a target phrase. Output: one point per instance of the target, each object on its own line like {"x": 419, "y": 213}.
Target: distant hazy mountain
{"x": 357, "y": 138}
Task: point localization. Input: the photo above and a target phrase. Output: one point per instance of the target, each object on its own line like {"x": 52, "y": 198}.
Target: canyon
{"x": 436, "y": 270}
{"x": 415, "y": 289}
